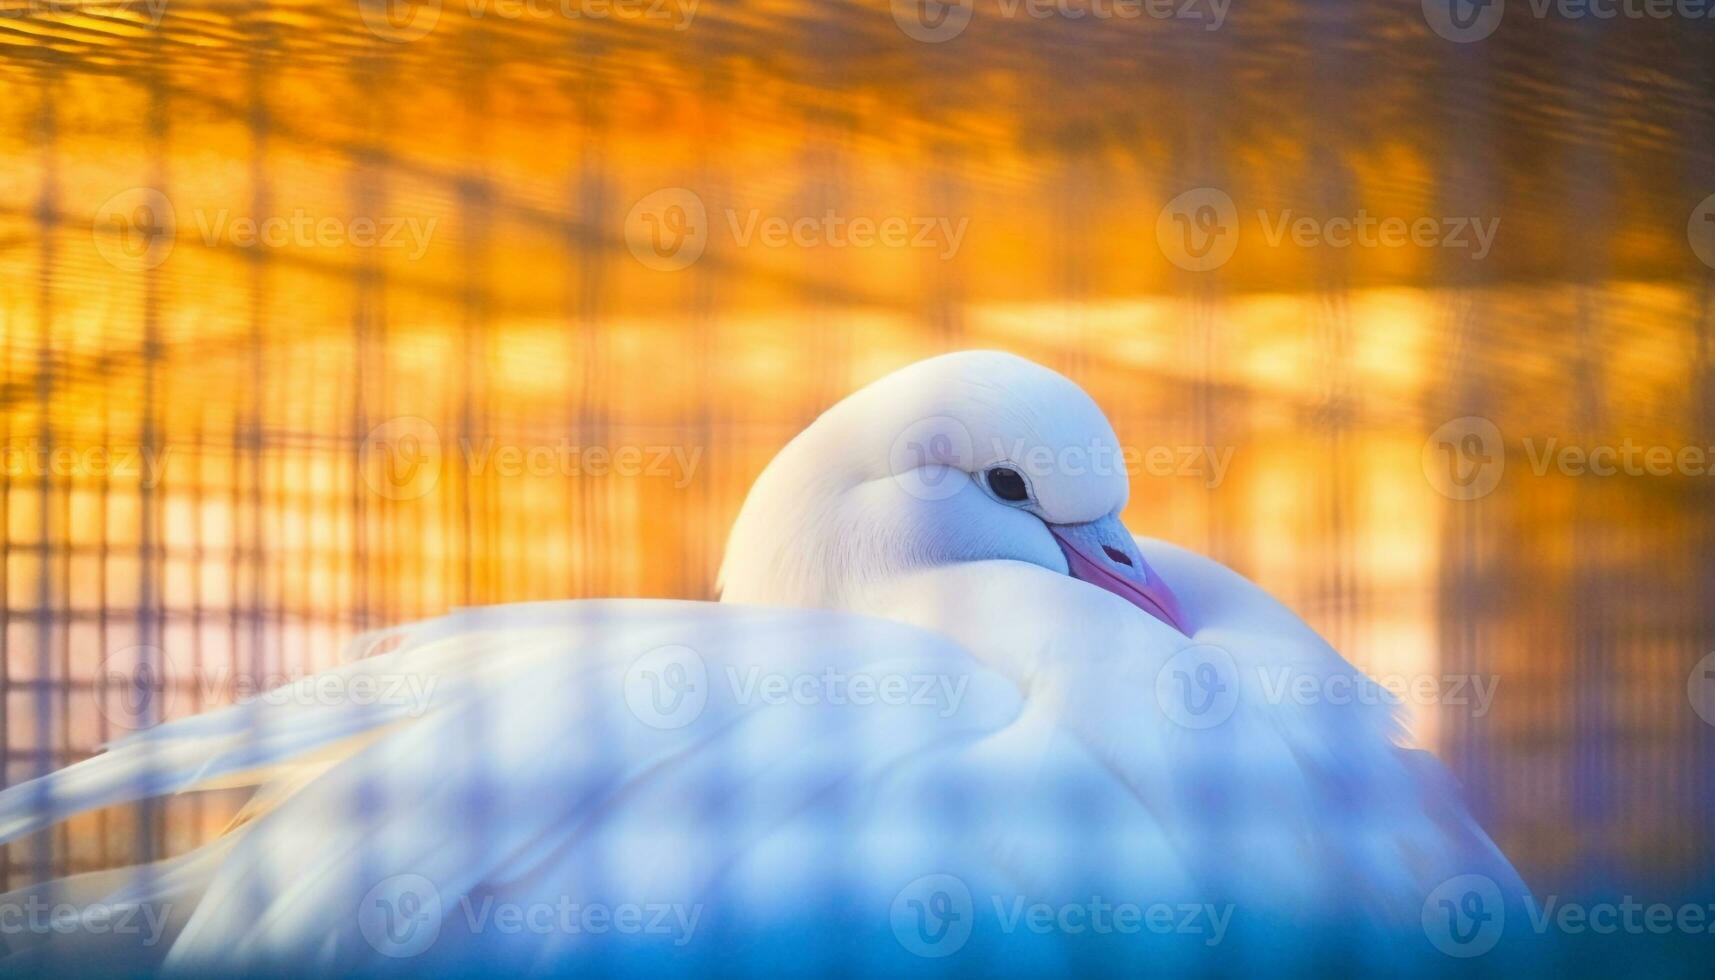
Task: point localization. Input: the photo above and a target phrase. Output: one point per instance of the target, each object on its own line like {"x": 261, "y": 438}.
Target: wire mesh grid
{"x": 226, "y": 460}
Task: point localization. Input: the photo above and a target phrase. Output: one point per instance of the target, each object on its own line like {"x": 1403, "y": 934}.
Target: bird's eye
{"x": 1007, "y": 484}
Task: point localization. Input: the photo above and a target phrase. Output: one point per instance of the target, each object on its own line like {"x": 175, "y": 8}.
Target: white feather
{"x": 1046, "y": 761}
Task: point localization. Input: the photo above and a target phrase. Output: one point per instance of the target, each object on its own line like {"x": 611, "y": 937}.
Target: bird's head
{"x": 967, "y": 457}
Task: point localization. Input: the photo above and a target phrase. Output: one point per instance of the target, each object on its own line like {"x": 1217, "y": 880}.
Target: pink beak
{"x": 1104, "y": 554}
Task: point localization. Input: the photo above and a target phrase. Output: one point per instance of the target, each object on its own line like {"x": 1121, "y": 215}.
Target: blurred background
{"x": 323, "y": 316}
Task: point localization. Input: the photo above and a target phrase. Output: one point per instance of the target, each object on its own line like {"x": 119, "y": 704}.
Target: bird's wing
{"x": 1274, "y": 767}
{"x": 704, "y": 768}
{"x": 1324, "y": 746}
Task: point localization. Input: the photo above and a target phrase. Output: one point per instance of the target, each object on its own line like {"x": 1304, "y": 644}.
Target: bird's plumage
{"x": 959, "y": 707}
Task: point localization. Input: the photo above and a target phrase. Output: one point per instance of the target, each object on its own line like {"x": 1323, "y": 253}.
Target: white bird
{"x": 944, "y": 689}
